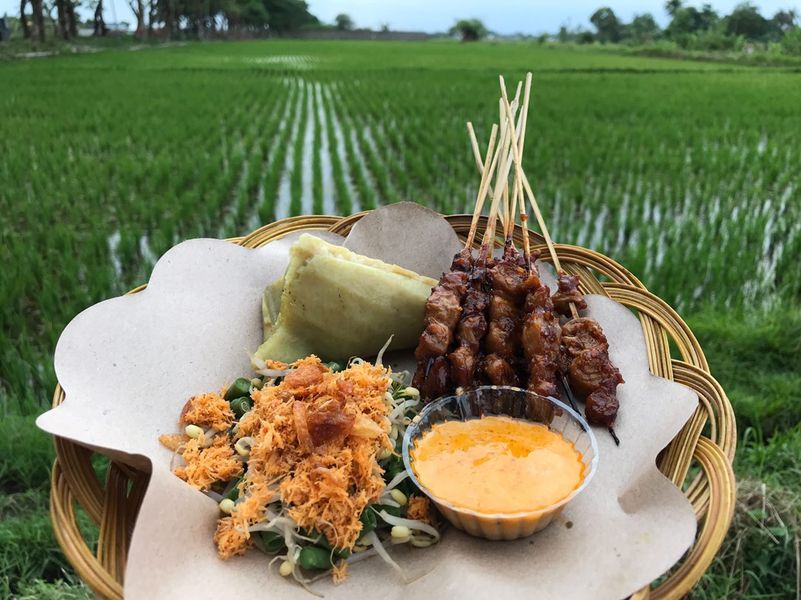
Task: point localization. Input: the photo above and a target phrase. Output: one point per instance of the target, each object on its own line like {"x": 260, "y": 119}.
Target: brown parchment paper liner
{"x": 128, "y": 365}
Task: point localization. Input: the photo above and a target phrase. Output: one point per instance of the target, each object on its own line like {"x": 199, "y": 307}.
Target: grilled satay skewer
{"x": 511, "y": 283}
{"x": 513, "y": 280}
{"x": 444, "y": 306}
{"x": 590, "y": 370}
{"x": 472, "y": 326}
{"x": 503, "y": 296}
{"x": 541, "y": 335}
{"x": 508, "y": 278}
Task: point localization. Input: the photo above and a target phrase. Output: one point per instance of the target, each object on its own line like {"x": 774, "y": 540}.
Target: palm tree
{"x": 671, "y": 6}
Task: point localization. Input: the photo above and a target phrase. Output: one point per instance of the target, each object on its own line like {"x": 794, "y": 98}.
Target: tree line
{"x": 169, "y": 18}
{"x": 690, "y": 28}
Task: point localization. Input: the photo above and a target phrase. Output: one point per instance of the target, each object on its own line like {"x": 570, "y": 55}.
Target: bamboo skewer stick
{"x": 520, "y": 178}
{"x": 506, "y": 211}
{"x": 504, "y": 207}
{"x": 573, "y": 311}
{"x": 518, "y": 184}
{"x": 476, "y": 152}
{"x": 474, "y": 143}
{"x": 480, "y": 165}
{"x": 503, "y": 167}
{"x": 501, "y": 178}
{"x": 483, "y": 187}
{"x": 548, "y": 241}
{"x": 523, "y": 180}
{"x": 509, "y": 223}
{"x": 517, "y": 156}
{"x": 511, "y": 228}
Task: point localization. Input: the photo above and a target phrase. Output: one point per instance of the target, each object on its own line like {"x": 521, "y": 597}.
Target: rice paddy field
{"x": 685, "y": 172}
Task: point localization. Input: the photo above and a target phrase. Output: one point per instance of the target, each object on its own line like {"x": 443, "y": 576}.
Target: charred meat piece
{"x": 442, "y": 312}
{"x": 437, "y": 380}
{"x": 443, "y": 309}
{"x": 568, "y": 293}
{"x": 582, "y": 334}
{"x": 504, "y": 328}
{"x": 541, "y": 340}
{"x": 463, "y": 363}
{"x": 601, "y": 406}
{"x": 508, "y": 279}
{"x": 542, "y": 335}
{"x": 542, "y": 375}
{"x": 585, "y": 353}
{"x": 463, "y": 261}
{"x": 591, "y": 370}
{"x": 471, "y": 329}
{"x": 498, "y": 371}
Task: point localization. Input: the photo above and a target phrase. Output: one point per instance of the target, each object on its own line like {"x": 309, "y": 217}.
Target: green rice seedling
{"x": 296, "y": 181}
{"x": 685, "y": 172}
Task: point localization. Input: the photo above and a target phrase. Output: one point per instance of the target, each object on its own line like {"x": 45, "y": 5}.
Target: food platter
{"x": 114, "y": 503}
{"x": 134, "y": 338}
{"x": 144, "y": 516}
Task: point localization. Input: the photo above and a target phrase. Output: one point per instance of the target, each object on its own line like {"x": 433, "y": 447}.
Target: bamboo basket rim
{"x": 705, "y": 445}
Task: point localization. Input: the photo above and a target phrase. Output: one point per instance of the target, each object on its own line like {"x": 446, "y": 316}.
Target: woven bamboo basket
{"x": 698, "y": 459}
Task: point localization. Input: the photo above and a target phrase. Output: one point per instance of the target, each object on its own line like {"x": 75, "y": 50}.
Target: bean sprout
{"x": 410, "y": 523}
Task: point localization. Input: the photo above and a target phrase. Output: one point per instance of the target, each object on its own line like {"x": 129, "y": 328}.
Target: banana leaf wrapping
{"x": 337, "y": 304}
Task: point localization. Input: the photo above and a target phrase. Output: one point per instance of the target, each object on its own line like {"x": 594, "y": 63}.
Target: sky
{"x": 502, "y": 16}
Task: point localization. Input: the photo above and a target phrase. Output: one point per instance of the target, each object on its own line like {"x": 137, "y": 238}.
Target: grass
{"x": 685, "y": 172}
{"x": 758, "y": 361}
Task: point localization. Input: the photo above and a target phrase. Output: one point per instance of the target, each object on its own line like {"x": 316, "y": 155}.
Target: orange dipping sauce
{"x": 497, "y": 464}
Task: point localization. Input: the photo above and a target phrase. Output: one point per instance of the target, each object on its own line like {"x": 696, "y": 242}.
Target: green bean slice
{"x": 314, "y": 557}
{"x": 239, "y": 388}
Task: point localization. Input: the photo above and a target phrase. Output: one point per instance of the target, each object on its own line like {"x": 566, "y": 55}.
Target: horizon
{"x": 504, "y": 17}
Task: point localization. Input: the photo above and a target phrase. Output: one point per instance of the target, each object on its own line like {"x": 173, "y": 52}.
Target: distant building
{"x": 121, "y": 27}
{"x": 5, "y": 32}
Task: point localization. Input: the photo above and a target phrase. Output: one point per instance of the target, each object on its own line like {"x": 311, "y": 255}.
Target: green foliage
{"x": 791, "y": 42}
{"x": 686, "y": 20}
{"x": 758, "y": 362}
{"x": 711, "y": 40}
{"x": 195, "y": 18}
{"x": 62, "y": 589}
{"x": 248, "y": 13}
{"x": 30, "y": 467}
{"x": 288, "y": 15}
{"x": 697, "y": 30}
{"x": 28, "y": 550}
{"x": 746, "y": 21}
{"x": 643, "y": 29}
{"x": 471, "y": 30}
{"x": 606, "y": 25}
{"x": 765, "y": 395}
{"x": 343, "y": 22}
{"x": 758, "y": 558}
{"x": 672, "y": 6}
{"x": 784, "y": 20}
